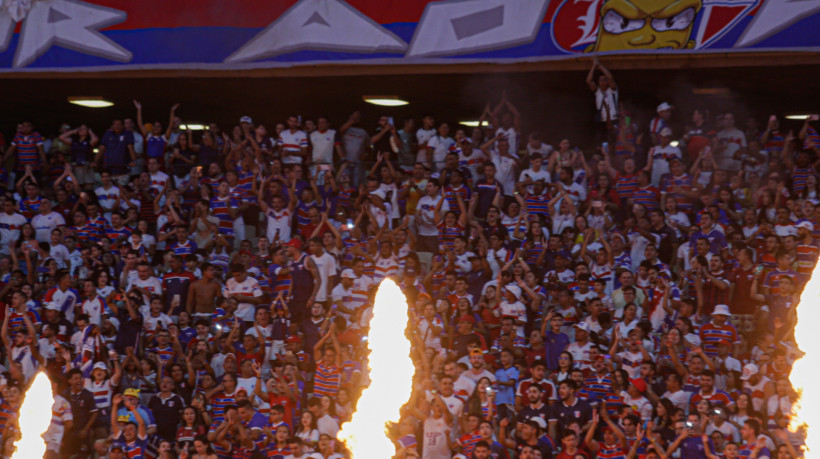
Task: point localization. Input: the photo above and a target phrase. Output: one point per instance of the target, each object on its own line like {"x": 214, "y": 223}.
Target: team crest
{"x": 636, "y": 25}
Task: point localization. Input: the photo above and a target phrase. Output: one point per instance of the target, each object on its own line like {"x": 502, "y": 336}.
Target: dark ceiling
{"x": 557, "y": 103}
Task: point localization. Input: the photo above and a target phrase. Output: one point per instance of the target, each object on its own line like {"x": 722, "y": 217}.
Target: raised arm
{"x": 171, "y": 123}
{"x": 140, "y": 123}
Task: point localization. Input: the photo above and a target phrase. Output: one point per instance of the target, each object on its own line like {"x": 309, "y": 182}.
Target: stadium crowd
{"x": 207, "y": 294}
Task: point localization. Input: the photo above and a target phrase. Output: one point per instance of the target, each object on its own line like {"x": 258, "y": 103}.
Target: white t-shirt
{"x": 426, "y": 215}
{"x": 504, "y": 171}
{"x": 326, "y": 264}
{"x": 323, "y": 144}
{"x": 422, "y": 137}
{"x": 95, "y": 309}
{"x": 735, "y": 139}
{"x": 152, "y": 284}
{"x": 158, "y": 180}
{"x": 660, "y": 161}
{"x": 279, "y": 224}
{"x": 10, "y": 229}
{"x": 60, "y": 253}
{"x": 435, "y": 439}
{"x": 107, "y": 198}
{"x": 248, "y": 288}
{"x": 680, "y": 398}
{"x": 512, "y": 138}
{"x": 291, "y": 143}
{"x": 45, "y": 224}
{"x": 440, "y": 146}
{"x": 535, "y": 176}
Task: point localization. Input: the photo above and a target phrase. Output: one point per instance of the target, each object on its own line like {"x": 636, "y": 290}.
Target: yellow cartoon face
{"x": 646, "y": 24}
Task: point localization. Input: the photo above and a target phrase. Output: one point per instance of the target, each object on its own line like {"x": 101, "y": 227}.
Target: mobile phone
{"x": 390, "y": 121}
{"x": 605, "y": 146}
{"x": 489, "y": 391}
{"x": 689, "y": 424}
{"x": 176, "y": 299}
{"x": 814, "y": 117}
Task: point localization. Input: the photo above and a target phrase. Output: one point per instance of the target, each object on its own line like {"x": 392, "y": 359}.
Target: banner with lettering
{"x": 92, "y": 35}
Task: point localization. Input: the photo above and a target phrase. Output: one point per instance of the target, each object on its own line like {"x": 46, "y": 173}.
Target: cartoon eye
{"x": 679, "y": 21}
{"x": 615, "y": 23}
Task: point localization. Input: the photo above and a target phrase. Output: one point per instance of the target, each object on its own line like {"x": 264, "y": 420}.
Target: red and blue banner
{"x": 75, "y": 35}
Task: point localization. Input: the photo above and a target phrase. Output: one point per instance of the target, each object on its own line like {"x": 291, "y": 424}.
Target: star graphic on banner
{"x": 774, "y": 16}
{"x": 70, "y": 24}
{"x": 327, "y": 25}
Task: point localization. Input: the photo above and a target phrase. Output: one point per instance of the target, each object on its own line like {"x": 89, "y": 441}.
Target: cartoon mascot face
{"x": 646, "y": 24}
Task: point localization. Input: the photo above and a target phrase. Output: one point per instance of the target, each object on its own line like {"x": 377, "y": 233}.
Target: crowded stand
{"x": 207, "y": 294}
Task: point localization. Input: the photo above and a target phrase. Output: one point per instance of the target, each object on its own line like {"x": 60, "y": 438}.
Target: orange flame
{"x": 34, "y": 419}
{"x": 391, "y": 376}
{"x": 806, "y": 411}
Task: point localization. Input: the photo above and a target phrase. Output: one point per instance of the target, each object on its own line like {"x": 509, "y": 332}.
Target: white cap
{"x": 115, "y": 323}
{"x": 100, "y": 366}
{"x": 749, "y": 370}
{"x": 583, "y": 326}
{"x": 348, "y": 274}
{"x": 723, "y": 310}
{"x": 664, "y": 106}
{"x": 514, "y": 289}
{"x": 806, "y": 224}
{"x": 666, "y": 132}
{"x": 245, "y": 119}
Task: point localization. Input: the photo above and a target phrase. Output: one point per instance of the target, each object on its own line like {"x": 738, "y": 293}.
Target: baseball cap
{"x": 245, "y": 119}
{"x": 749, "y": 370}
{"x": 666, "y": 132}
{"x": 348, "y": 274}
{"x": 664, "y": 106}
{"x": 100, "y": 366}
{"x": 466, "y": 140}
{"x": 722, "y": 310}
{"x": 514, "y": 289}
{"x": 229, "y": 354}
{"x": 131, "y": 392}
{"x": 52, "y": 307}
{"x": 639, "y": 384}
{"x": 117, "y": 445}
{"x": 563, "y": 253}
{"x": 806, "y": 224}
{"x": 724, "y": 342}
{"x": 537, "y": 422}
{"x": 295, "y": 242}
{"x": 476, "y": 351}
{"x": 583, "y": 326}
{"x": 293, "y": 339}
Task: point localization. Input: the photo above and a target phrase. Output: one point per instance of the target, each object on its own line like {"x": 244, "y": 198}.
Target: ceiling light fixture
{"x": 797, "y": 117}
{"x": 91, "y": 102}
{"x": 473, "y": 123}
{"x": 194, "y": 127}
{"x": 385, "y": 101}
{"x": 674, "y": 143}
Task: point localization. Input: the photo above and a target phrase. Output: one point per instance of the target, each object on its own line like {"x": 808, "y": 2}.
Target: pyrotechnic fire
{"x": 391, "y": 378}
{"x": 35, "y": 416}
{"x": 806, "y": 410}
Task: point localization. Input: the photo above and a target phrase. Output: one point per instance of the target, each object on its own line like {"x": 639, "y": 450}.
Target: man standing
{"x": 78, "y": 439}
{"x": 117, "y": 152}
{"x": 166, "y": 406}
{"x": 326, "y": 267}
{"x": 303, "y": 273}
{"x": 247, "y": 292}
{"x": 292, "y": 143}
